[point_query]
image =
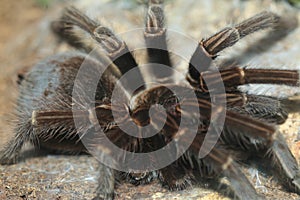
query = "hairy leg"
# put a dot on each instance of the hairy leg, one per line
(155, 37)
(236, 76)
(116, 49)
(208, 48)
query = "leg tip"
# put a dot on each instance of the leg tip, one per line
(296, 184)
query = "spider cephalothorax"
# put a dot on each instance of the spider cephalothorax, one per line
(51, 116)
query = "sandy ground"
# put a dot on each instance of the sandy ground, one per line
(25, 38)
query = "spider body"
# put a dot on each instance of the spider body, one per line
(47, 111)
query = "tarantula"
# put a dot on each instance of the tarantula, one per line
(182, 114)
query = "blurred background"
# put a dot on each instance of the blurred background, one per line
(26, 38)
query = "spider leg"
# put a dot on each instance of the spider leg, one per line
(234, 121)
(175, 176)
(117, 50)
(265, 108)
(93, 141)
(11, 151)
(155, 37)
(106, 183)
(245, 132)
(43, 129)
(236, 76)
(284, 164)
(219, 162)
(65, 32)
(138, 178)
(231, 35)
(240, 127)
(208, 49)
(268, 109)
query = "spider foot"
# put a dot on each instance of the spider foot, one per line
(175, 184)
(175, 177)
(105, 197)
(240, 184)
(7, 158)
(106, 183)
(140, 178)
(296, 183)
(285, 164)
